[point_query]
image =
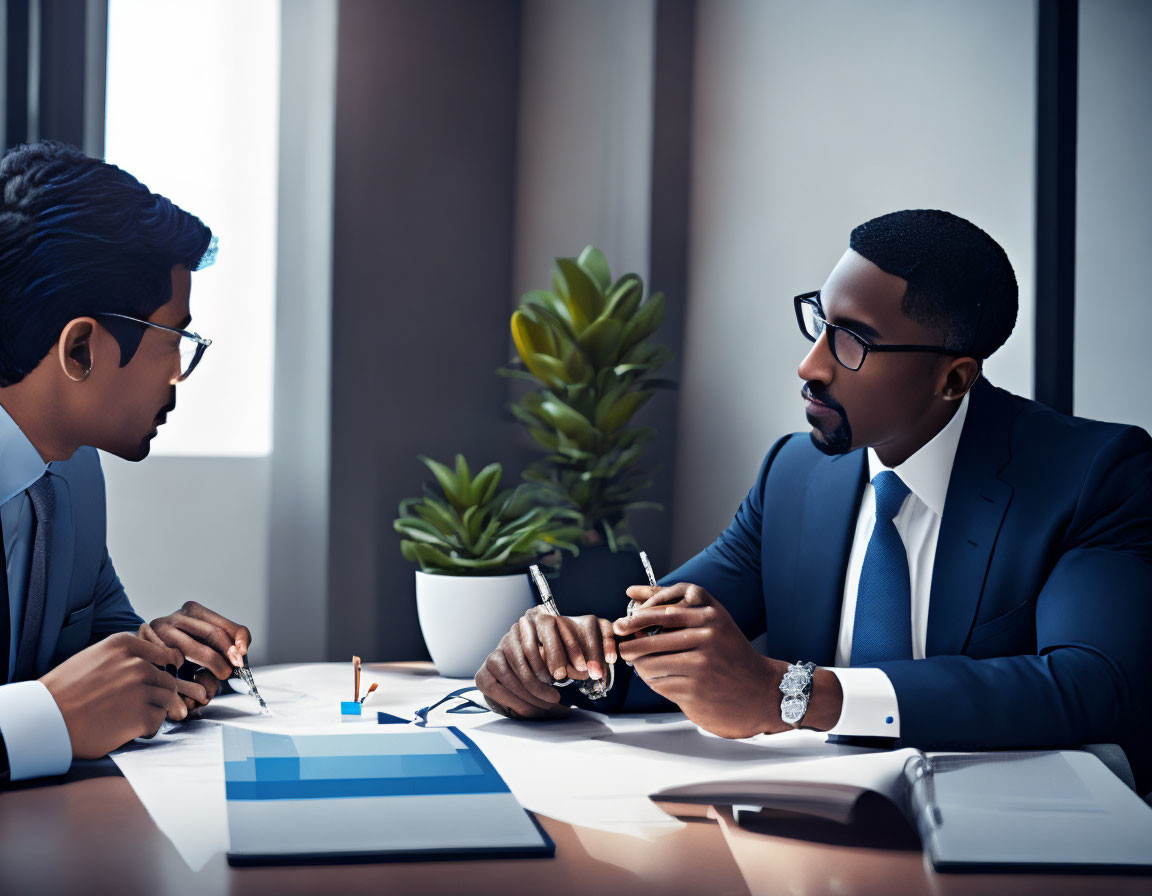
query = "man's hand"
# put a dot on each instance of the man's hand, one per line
(206, 638)
(112, 692)
(518, 677)
(702, 662)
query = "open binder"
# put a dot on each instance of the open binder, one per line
(973, 811)
(369, 796)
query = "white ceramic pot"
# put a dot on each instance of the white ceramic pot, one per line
(463, 618)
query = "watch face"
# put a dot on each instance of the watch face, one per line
(792, 709)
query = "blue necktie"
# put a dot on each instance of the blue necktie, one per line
(883, 625)
(44, 506)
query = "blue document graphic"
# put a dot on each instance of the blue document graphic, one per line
(402, 793)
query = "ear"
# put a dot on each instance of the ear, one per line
(75, 348)
(956, 378)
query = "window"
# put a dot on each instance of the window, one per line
(193, 112)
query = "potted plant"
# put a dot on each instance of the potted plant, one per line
(586, 347)
(473, 542)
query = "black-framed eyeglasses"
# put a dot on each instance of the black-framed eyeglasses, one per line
(848, 348)
(192, 345)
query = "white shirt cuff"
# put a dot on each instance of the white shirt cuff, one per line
(34, 732)
(870, 708)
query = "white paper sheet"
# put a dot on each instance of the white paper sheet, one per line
(590, 770)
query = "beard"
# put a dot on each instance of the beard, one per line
(838, 440)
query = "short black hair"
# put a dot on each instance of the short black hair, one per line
(960, 281)
(79, 236)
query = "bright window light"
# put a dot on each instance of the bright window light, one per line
(193, 112)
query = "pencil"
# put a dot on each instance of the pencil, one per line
(356, 678)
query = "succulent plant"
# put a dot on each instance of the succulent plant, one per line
(585, 346)
(474, 528)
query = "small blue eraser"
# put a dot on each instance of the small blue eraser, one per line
(350, 708)
(889, 720)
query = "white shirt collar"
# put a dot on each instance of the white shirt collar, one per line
(926, 473)
(20, 462)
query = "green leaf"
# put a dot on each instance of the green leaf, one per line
(609, 536)
(487, 483)
(595, 265)
(645, 322)
(549, 370)
(602, 341)
(448, 482)
(579, 293)
(550, 301)
(438, 515)
(624, 298)
(558, 321)
(575, 367)
(568, 421)
(621, 412)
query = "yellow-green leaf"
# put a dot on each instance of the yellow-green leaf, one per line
(583, 297)
(530, 337)
(550, 370)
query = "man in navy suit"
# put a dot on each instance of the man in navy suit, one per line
(95, 277)
(946, 564)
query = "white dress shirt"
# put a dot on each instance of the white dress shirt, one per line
(34, 732)
(870, 708)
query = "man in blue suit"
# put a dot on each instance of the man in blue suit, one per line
(951, 566)
(95, 277)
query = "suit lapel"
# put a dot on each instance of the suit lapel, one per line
(830, 507)
(973, 512)
(60, 560)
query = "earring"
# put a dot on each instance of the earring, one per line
(83, 376)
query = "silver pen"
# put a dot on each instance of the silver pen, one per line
(244, 673)
(594, 690)
(652, 629)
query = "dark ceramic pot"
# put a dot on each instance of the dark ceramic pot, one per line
(595, 582)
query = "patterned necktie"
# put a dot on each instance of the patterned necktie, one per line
(44, 507)
(883, 625)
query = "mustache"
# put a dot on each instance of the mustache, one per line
(818, 392)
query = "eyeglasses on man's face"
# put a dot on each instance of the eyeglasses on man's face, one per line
(192, 345)
(847, 347)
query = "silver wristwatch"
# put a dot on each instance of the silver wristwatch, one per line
(797, 689)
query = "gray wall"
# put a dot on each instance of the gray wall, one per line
(585, 135)
(1114, 213)
(422, 261)
(809, 119)
(192, 528)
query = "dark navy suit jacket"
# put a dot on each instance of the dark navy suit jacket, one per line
(1040, 616)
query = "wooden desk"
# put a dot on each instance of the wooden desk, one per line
(91, 835)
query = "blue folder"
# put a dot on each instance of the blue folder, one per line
(370, 795)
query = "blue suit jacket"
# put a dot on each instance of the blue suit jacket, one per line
(85, 601)
(1040, 620)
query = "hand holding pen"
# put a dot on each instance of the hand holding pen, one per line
(596, 687)
(216, 644)
(541, 652)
